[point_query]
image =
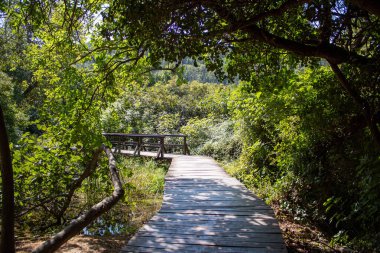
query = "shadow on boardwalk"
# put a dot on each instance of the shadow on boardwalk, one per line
(206, 210)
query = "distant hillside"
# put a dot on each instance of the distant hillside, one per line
(188, 72)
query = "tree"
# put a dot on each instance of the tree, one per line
(49, 37)
(240, 37)
(7, 243)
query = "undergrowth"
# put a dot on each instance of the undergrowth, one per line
(143, 179)
(299, 232)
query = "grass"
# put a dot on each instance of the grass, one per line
(144, 180)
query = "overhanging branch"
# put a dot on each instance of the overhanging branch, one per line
(277, 12)
(326, 51)
(372, 6)
(362, 104)
(329, 52)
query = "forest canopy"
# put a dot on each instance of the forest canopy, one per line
(297, 116)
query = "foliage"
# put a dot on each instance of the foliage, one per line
(165, 107)
(243, 38)
(196, 109)
(64, 81)
(305, 146)
(15, 118)
(213, 137)
(189, 70)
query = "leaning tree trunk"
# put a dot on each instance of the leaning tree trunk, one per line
(362, 103)
(7, 243)
(95, 211)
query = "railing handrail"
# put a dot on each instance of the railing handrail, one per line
(140, 144)
(175, 135)
(135, 135)
(146, 135)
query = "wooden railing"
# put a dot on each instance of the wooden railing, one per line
(141, 142)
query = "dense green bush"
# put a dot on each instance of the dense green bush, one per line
(306, 146)
(213, 137)
(14, 117)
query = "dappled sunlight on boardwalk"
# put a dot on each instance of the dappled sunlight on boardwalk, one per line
(206, 210)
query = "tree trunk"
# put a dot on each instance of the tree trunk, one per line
(363, 105)
(7, 243)
(95, 211)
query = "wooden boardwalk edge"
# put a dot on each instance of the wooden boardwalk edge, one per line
(206, 210)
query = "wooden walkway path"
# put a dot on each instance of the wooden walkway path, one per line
(206, 210)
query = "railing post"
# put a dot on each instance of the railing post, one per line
(119, 143)
(162, 146)
(185, 149)
(139, 144)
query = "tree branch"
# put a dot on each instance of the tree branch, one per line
(40, 203)
(91, 166)
(363, 105)
(372, 6)
(326, 51)
(29, 89)
(277, 12)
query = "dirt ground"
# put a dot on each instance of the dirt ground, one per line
(303, 238)
(80, 244)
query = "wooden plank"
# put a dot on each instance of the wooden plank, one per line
(202, 227)
(205, 189)
(220, 208)
(170, 248)
(218, 180)
(151, 241)
(211, 194)
(259, 237)
(233, 202)
(204, 197)
(184, 216)
(207, 205)
(216, 220)
(226, 214)
(260, 225)
(218, 212)
(205, 186)
(240, 234)
(214, 234)
(219, 225)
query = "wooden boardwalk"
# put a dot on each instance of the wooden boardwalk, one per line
(206, 210)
